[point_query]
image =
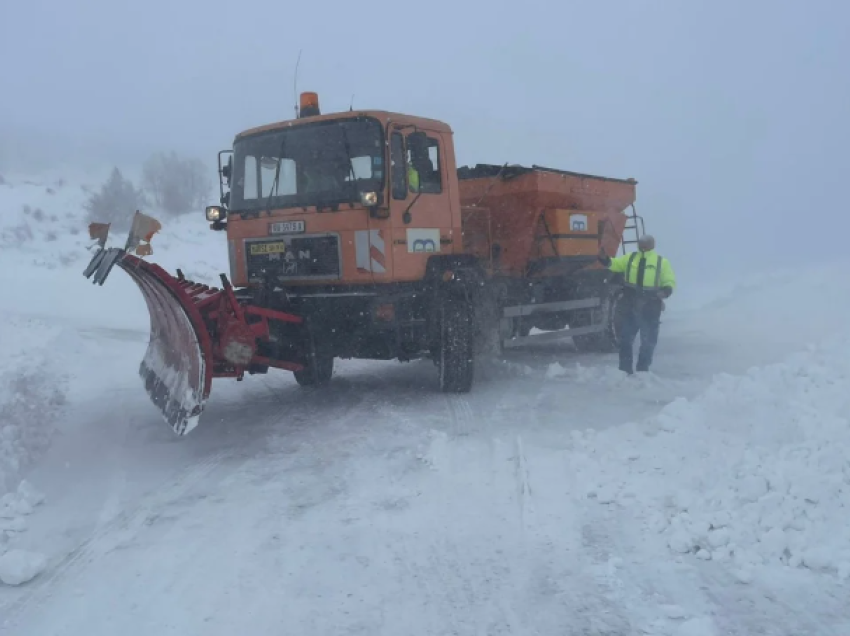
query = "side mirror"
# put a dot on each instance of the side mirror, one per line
(227, 170)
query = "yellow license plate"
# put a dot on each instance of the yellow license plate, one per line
(268, 248)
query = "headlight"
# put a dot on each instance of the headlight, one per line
(369, 198)
(215, 213)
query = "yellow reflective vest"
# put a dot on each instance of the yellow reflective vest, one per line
(413, 178)
(657, 272)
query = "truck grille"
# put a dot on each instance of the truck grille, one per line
(293, 257)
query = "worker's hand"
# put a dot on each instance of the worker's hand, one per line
(665, 292)
(603, 257)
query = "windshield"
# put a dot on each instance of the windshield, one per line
(323, 164)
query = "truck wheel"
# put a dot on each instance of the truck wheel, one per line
(318, 375)
(604, 341)
(455, 355)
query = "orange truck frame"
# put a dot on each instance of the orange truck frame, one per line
(355, 235)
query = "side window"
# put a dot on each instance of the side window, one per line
(426, 176)
(249, 179)
(398, 167)
(435, 183)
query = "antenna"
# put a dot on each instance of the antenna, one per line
(295, 84)
(351, 107)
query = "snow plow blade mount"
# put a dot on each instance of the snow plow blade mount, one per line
(197, 332)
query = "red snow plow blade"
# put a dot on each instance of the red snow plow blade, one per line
(197, 332)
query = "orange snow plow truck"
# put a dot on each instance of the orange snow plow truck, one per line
(355, 235)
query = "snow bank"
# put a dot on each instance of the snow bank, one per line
(753, 472)
(20, 566)
(33, 394)
(34, 381)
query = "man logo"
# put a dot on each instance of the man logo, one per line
(424, 245)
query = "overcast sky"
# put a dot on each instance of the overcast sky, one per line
(733, 116)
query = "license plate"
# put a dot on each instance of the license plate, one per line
(268, 248)
(286, 227)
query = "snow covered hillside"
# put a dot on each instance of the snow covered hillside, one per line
(710, 497)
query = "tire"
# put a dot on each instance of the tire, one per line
(604, 341)
(318, 375)
(455, 359)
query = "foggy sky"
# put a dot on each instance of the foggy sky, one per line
(733, 116)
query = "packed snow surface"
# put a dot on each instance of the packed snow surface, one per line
(707, 497)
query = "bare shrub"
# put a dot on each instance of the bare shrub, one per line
(116, 202)
(36, 213)
(16, 235)
(178, 185)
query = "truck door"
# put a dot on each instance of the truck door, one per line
(419, 200)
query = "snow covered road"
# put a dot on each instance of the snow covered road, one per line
(383, 508)
(557, 498)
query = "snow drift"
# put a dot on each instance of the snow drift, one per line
(753, 472)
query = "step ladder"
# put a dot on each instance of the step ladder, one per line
(634, 223)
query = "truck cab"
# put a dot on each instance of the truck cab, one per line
(340, 200)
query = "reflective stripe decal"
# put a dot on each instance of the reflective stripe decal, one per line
(657, 281)
(370, 251)
(629, 269)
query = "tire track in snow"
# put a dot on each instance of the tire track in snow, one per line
(524, 495)
(462, 416)
(515, 567)
(596, 602)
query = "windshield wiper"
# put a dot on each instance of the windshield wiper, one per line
(348, 153)
(350, 164)
(276, 179)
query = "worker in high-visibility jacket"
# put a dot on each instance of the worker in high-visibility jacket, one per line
(412, 177)
(648, 280)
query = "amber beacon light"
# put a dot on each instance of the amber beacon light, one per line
(309, 106)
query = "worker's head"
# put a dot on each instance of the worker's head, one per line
(646, 243)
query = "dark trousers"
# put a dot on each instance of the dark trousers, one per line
(637, 314)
